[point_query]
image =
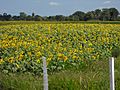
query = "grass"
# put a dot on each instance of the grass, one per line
(94, 77)
(20, 82)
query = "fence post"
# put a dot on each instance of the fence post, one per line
(111, 67)
(45, 76)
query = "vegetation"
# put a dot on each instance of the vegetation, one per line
(93, 77)
(64, 45)
(116, 52)
(57, 22)
(106, 14)
(77, 55)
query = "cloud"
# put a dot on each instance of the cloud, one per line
(54, 4)
(106, 2)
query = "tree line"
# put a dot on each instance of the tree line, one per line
(105, 14)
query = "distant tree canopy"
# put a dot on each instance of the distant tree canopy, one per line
(105, 14)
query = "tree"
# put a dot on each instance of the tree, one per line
(92, 13)
(79, 14)
(105, 15)
(118, 17)
(88, 16)
(67, 18)
(6, 17)
(9, 17)
(23, 16)
(97, 14)
(51, 18)
(16, 18)
(74, 18)
(1, 17)
(113, 13)
(45, 18)
(38, 18)
(33, 14)
(29, 18)
(59, 18)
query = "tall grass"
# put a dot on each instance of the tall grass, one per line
(93, 77)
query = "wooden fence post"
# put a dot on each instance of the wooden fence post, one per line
(45, 76)
(111, 67)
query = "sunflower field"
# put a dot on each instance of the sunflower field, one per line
(63, 45)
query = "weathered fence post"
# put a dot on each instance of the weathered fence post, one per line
(45, 76)
(111, 67)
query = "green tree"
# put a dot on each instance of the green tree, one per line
(79, 14)
(74, 18)
(97, 14)
(51, 18)
(33, 14)
(88, 16)
(105, 15)
(29, 18)
(6, 17)
(92, 13)
(23, 16)
(59, 18)
(118, 18)
(113, 13)
(38, 18)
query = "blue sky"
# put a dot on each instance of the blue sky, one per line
(54, 7)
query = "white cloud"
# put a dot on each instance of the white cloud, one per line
(106, 2)
(54, 4)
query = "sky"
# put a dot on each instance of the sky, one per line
(54, 7)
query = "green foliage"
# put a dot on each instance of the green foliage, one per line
(106, 14)
(116, 52)
(63, 45)
(95, 76)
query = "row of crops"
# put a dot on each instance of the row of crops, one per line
(56, 22)
(64, 45)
